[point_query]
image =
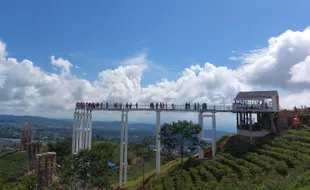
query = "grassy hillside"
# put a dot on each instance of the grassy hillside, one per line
(279, 164)
(12, 163)
(134, 163)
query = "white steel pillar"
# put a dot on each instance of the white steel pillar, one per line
(251, 126)
(157, 142)
(86, 130)
(74, 131)
(200, 122)
(83, 130)
(90, 130)
(126, 147)
(77, 132)
(121, 161)
(213, 134)
(82, 114)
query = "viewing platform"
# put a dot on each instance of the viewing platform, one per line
(256, 102)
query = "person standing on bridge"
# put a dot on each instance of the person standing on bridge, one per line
(137, 105)
(107, 105)
(166, 105)
(156, 105)
(186, 106)
(195, 106)
(127, 105)
(130, 105)
(173, 106)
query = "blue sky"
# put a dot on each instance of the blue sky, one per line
(175, 34)
(98, 36)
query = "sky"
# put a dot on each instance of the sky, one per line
(55, 53)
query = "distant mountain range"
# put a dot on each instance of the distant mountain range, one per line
(33, 119)
(101, 125)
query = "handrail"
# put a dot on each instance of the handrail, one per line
(164, 107)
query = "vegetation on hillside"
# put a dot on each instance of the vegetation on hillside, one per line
(279, 164)
(12, 165)
(173, 136)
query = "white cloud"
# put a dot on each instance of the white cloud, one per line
(3, 53)
(283, 64)
(63, 64)
(301, 71)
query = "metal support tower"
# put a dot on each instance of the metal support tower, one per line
(251, 136)
(126, 148)
(82, 130)
(213, 134)
(200, 122)
(123, 165)
(157, 142)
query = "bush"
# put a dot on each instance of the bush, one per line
(281, 168)
(156, 184)
(167, 183)
(302, 181)
(182, 180)
(205, 175)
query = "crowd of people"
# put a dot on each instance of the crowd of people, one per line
(196, 106)
(245, 105)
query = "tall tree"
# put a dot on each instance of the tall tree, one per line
(82, 168)
(62, 149)
(174, 135)
(100, 155)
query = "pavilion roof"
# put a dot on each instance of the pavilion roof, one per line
(256, 94)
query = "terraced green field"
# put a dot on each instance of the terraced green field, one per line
(12, 163)
(280, 164)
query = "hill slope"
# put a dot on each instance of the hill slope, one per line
(12, 164)
(278, 164)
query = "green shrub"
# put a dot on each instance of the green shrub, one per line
(281, 168)
(167, 183)
(205, 175)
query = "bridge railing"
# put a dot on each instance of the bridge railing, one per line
(253, 107)
(169, 107)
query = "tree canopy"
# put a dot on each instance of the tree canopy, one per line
(173, 135)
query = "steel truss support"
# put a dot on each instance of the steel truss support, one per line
(82, 130)
(200, 123)
(123, 165)
(157, 142)
(201, 155)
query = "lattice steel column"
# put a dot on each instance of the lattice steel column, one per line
(75, 115)
(126, 148)
(81, 118)
(200, 122)
(90, 129)
(121, 161)
(157, 142)
(213, 134)
(251, 126)
(85, 131)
